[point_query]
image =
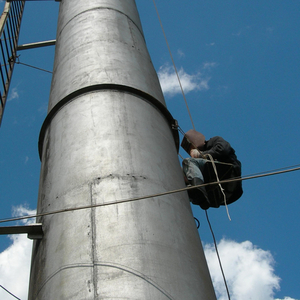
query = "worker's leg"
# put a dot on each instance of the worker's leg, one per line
(192, 168)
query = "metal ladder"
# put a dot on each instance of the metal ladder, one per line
(10, 23)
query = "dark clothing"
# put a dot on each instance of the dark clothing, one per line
(202, 170)
(221, 151)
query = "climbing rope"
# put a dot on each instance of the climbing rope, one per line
(219, 184)
(174, 65)
(219, 259)
(188, 109)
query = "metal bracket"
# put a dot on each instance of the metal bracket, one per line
(34, 231)
(36, 45)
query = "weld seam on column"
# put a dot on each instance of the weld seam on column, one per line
(100, 8)
(100, 87)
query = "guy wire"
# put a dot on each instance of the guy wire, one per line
(296, 168)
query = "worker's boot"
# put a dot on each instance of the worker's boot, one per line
(198, 195)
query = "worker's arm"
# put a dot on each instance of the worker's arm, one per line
(218, 148)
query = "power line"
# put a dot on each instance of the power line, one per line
(271, 173)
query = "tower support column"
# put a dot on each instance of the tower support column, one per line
(108, 137)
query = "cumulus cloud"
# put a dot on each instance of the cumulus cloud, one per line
(249, 271)
(190, 82)
(15, 262)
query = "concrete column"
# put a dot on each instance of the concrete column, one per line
(108, 137)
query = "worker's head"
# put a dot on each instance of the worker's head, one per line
(193, 139)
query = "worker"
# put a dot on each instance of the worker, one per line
(201, 151)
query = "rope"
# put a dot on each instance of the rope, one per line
(219, 184)
(181, 156)
(185, 100)
(17, 61)
(173, 62)
(220, 263)
(150, 196)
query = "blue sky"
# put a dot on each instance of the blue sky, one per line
(239, 64)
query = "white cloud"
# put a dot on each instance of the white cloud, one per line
(15, 263)
(209, 65)
(170, 85)
(248, 270)
(180, 53)
(13, 94)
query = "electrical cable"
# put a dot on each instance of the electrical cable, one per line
(295, 168)
(220, 263)
(9, 292)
